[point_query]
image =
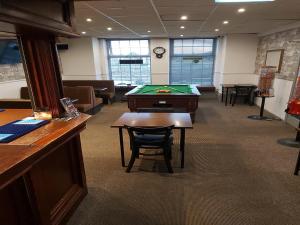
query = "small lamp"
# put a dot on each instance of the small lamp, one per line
(42, 114)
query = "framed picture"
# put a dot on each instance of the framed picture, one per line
(274, 58)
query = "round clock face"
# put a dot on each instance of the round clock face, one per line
(159, 51)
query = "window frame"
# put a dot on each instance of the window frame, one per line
(109, 56)
(171, 55)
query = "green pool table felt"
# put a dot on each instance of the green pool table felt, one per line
(174, 89)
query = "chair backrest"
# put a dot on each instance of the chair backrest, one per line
(243, 90)
(163, 133)
(109, 84)
(84, 94)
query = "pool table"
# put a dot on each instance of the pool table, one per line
(182, 97)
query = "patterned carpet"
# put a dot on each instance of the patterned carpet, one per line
(235, 173)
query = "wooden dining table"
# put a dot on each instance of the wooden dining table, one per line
(180, 121)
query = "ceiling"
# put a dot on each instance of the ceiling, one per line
(133, 18)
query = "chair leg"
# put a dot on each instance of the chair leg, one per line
(230, 100)
(234, 100)
(167, 159)
(131, 162)
(297, 165)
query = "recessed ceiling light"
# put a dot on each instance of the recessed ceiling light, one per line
(241, 10)
(183, 17)
(224, 1)
(88, 20)
(83, 32)
(217, 30)
(181, 35)
(182, 27)
(149, 31)
(225, 22)
(109, 28)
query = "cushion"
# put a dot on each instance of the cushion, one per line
(83, 107)
(150, 139)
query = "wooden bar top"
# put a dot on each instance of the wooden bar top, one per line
(32, 145)
(179, 120)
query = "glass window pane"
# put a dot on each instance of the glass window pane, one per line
(116, 51)
(198, 42)
(197, 68)
(125, 50)
(198, 50)
(207, 50)
(187, 42)
(208, 42)
(135, 74)
(124, 44)
(177, 50)
(134, 43)
(135, 51)
(178, 42)
(144, 43)
(144, 51)
(187, 50)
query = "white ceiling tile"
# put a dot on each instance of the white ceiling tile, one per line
(132, 18)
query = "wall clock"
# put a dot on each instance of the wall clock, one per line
(159, 51)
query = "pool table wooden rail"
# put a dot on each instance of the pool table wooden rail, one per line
(187, 102)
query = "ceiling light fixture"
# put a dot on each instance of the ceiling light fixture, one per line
(109, 28)
(241, 10)
(225, 22)
(83, 32)
(183, 17)
(182, 27)
(217, 30)
(88, 20)
(236, 1)
(149, 31)
(181, 35)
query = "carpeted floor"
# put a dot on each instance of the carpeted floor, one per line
(235, 173)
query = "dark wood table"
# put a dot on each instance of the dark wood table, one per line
(180, 121)
(226, 87)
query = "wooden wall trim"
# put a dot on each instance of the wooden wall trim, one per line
(42, 71)
(13, 12)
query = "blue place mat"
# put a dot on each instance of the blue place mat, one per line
(18, 128)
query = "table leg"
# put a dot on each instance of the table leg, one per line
(222, 99)
(226, 97)
(122, 146)
(182, 145)
(262, 107)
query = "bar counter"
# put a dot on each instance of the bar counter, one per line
(42, 177)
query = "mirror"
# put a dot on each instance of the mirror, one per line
(274, 58)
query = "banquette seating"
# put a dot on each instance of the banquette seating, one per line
(104, 89)
(84, 96)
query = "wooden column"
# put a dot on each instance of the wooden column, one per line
(42, 70)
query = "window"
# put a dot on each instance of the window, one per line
(192, 61)
(129, 61)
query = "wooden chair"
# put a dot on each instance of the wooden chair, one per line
(240, 91)
(150, 138)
